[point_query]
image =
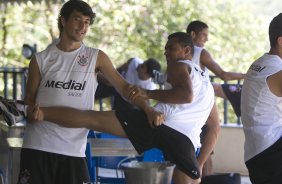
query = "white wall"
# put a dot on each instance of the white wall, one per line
(229, 151)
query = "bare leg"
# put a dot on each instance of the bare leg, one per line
(102, 121)
(218, 91)
(180, 177)
(209, 141)
(208, 167)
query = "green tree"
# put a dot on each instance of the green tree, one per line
(128, 28)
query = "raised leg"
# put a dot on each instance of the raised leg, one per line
(102, 121)
(218, 91)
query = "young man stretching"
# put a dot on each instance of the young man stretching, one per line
(186, 104)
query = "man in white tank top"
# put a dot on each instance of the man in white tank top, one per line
(232, 92)
(173, 125)
(199, 33)
(262, 111)
(64, 74)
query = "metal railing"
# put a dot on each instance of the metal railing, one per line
(13, 82)
(13, 85)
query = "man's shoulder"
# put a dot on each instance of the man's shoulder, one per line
(90, 48)
(47, 50)
(204, 51)
(205, 55)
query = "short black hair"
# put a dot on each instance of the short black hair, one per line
(152, 64)
(196, 26)
(275, 30)
(183, 39)
(77, 5)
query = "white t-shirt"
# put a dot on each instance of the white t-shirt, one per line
(68, 79)
(189, 118)
(261, 109)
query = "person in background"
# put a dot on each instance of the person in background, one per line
(198, 30)
(232, 92)
(261, 104)
(136, 72)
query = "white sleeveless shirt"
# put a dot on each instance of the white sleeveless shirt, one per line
(261, 109)
(189, 118)
(197, 58)
(68, 79)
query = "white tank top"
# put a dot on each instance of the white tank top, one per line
(261, 109)
(189, 118)
(68, 79)
(197, 58)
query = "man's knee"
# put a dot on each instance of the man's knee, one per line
(218, 91)
(180, 177)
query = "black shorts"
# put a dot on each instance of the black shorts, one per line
(176, 147)
(233, 94)
(45, 168)
(266, 167)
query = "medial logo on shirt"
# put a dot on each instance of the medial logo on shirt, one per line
(257, 68)
(73, 88)
(82, 60)
(72, 84)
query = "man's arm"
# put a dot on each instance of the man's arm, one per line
(178, 75)
(105, 66)
(33, 82)
(206, 60)
(274, 83)
(210, 137)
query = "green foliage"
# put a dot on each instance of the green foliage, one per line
(124, 29)
(137, 28)
(128, 28)
(24, 23)
(140, 28)
(236, 36)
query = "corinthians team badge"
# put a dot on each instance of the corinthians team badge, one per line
(82, 60)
